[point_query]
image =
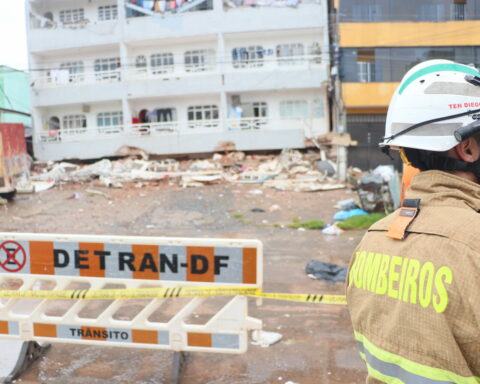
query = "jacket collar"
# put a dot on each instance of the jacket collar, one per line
(438, 188)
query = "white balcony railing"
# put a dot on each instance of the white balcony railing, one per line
(170, 128)
(61, 78)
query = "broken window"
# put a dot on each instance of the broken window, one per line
(246, 57)
(72, 15)
(107, 12)
(74, 123)
(199, 60)
(288, 54)
(161, 63)
(107, 69)
(294, 109)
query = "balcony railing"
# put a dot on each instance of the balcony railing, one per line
(61, 78)
(170, 128)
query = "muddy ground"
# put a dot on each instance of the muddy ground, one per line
(317, 345)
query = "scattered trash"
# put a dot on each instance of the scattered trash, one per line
(40, 186)
(75, 196)
(343, 215)
(326, 167)
(332, 229)
(255, 192)
(379, 190)
(346, 205)
(265, 339)
(257, 210)
(291, 382)
(3, 201)
(320, 270)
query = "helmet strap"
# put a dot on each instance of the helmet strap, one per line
(426, 160)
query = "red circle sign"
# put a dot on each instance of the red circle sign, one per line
(12, 256)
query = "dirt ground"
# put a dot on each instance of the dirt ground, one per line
(317, 344)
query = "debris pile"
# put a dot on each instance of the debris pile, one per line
(291, 170)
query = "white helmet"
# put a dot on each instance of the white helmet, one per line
(435, 107)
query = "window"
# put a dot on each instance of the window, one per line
(110, 122)
(432, 12)
(458, 10)
(107, 69)
(107, 119)
(107, 12)
(294, 109)
(54, 123)
(199, 60)
(318, 109)
(72, 15)
(75, 123)
(315, 51)
(203, 112)
(366, 65)
(288, 54)
(254, 109)
(141, 64)
(75, 70)
(161, 63)
(367, 12)
(244, 57)
(366, 71)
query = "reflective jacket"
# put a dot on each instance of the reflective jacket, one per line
(415, 303)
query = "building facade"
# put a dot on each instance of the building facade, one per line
(15, 97)
(380, 40)
(173, 77)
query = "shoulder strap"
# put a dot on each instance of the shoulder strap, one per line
(406, 215)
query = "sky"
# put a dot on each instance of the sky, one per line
(13, 37)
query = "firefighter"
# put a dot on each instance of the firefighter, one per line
(413, 287)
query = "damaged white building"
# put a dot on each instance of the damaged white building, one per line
(176, 76)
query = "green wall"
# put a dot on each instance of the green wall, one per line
(14, 94)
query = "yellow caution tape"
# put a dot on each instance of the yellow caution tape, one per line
(166, 293)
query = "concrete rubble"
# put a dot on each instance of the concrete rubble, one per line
(291, 170)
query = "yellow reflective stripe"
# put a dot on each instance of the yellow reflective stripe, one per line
(430, 374)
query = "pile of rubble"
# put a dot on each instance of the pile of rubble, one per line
(290, 170)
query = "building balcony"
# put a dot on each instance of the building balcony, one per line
(85, 87)
(293, 72)
(81, 34)
(174, 137)
(211, 22)
(172, 80)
